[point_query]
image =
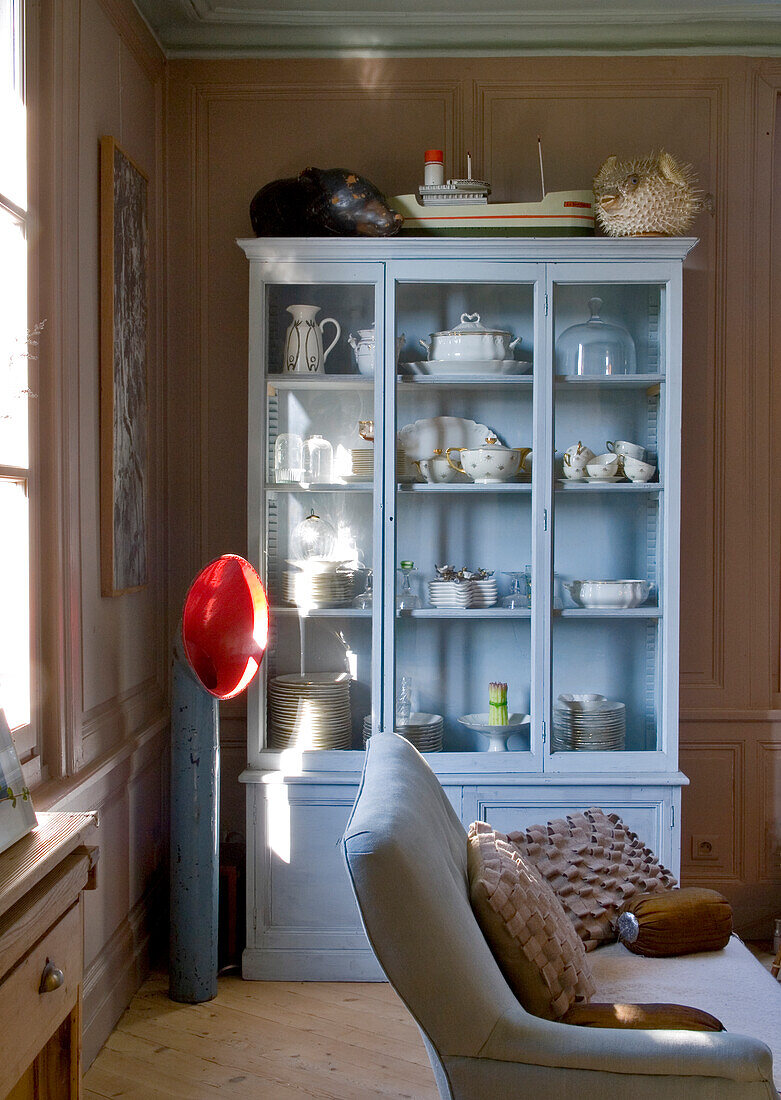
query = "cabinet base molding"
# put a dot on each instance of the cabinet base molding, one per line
(300, 965)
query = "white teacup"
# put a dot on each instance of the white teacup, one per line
(636, 470)
(625, 448)
(575, 460)
(603, 466)
(437, 470)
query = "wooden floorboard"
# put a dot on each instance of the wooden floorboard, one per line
(265, 1041)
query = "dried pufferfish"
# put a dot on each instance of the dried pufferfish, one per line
(652, 196)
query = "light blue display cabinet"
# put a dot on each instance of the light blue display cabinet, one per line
(550, 372)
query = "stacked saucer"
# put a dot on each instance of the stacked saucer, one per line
(450, 593)
(465, 594)
(310, 711)
(424, 731)
(588, 724)
(484, 592)
(317, 589)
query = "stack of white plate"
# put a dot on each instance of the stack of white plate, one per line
(424, 731)
(317, 589)
(464, 594)
(484, 593)
(363, 464)
(310, 711)
(450, 593)
(600, 727)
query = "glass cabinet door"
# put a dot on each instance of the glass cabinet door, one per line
(616, 430)
(311, 429)
(461, 485)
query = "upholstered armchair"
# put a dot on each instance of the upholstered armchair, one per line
(406, 854)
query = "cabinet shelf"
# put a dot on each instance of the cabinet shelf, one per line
(465, 613)
(463, 487)
(513, 381)
(608, 613)
(612, 381)
(336, 487)
(610, 487)
(320, 381)
(323, 613)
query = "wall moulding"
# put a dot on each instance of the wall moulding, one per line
(728, 716)
(98, 784)
(769, 770)
(202, 28)
(137, 36)
(119, 969)
(712, 805)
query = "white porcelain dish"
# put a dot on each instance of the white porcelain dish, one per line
(424, 437)
(467, 368)
(498, 736)
(583, 701)
(315, 565)
(609, 594)
(470, 340)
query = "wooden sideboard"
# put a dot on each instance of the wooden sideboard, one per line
(42, 878)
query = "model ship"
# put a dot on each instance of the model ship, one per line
(460, 208)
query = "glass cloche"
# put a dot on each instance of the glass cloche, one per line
(312, 540)
(595, 347)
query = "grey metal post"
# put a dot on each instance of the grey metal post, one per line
(195, 814)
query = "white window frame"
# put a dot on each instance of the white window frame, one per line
(27, 737)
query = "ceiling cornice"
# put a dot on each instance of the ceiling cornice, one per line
(333, 28)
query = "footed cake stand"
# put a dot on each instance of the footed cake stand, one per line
(498, 736)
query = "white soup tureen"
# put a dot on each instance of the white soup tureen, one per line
(490, 462)
(470, 340)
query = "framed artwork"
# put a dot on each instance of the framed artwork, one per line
(17, 816)
(123, 371)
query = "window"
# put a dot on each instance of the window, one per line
(15, 354)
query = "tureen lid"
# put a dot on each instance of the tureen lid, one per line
(470, 323)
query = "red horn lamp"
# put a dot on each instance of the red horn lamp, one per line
(223, 638)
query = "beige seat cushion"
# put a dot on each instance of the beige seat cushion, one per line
(530, 935)
(595, 865)
(729, 983)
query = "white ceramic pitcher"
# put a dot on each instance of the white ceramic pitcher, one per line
(304, 341)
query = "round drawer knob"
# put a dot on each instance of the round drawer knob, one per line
(51, 979)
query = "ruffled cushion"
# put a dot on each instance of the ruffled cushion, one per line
(596, 865)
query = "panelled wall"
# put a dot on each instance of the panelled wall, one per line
(234, 125)
(104, 721)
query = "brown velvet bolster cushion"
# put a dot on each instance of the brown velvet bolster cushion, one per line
(651, 1017)
(675, 922)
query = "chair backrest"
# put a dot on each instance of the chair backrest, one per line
(406, 853)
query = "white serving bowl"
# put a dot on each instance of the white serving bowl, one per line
(609, 594)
